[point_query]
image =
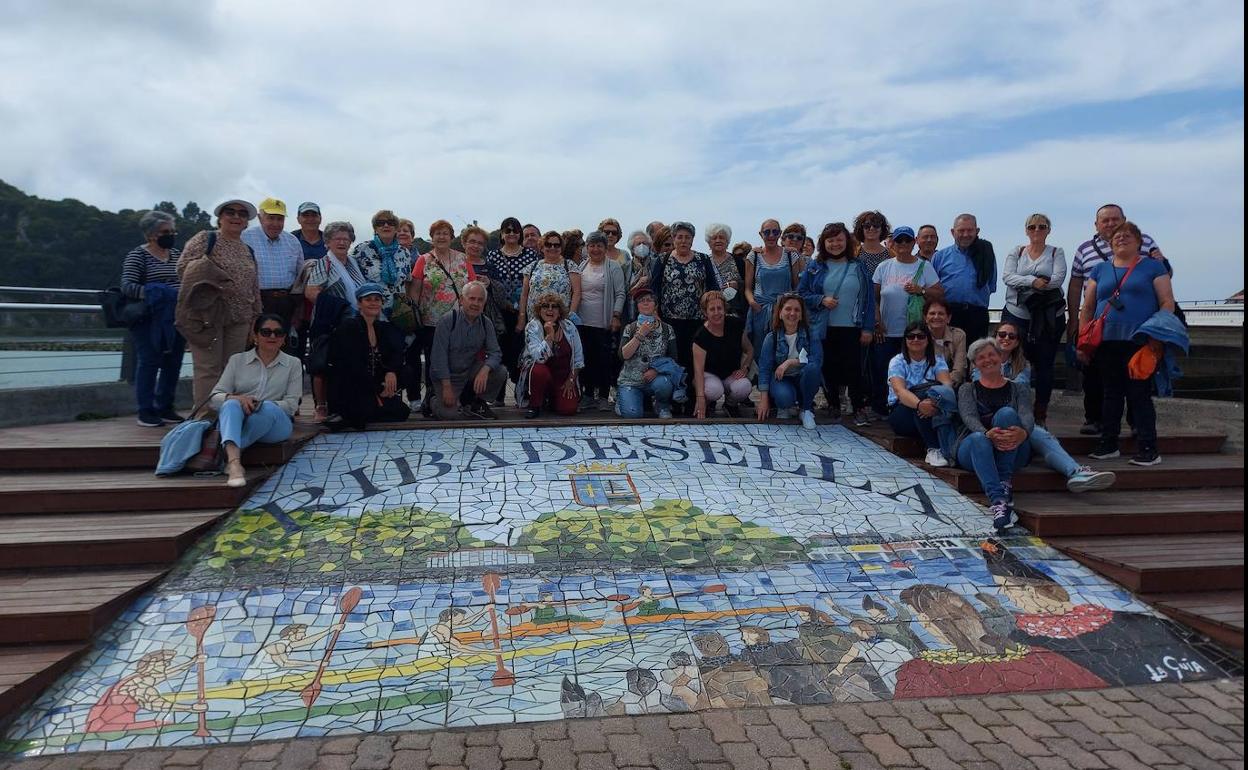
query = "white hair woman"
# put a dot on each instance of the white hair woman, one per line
(731, 269)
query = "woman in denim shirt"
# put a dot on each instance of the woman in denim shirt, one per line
(836, 288)
(789, 364)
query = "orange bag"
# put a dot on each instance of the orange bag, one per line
(1144, 363)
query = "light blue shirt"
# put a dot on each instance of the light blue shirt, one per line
(278, 261)
(845, 314)
(957, 275)
(912, 372)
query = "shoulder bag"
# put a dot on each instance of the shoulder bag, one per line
(1091, 334)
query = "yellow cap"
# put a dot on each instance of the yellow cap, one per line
(272, 206)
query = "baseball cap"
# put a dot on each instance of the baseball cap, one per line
(307, 206)
(273, 206)
(903, 230)
(369, 289)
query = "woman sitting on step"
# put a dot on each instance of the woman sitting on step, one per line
(999, 435)
(257, 395)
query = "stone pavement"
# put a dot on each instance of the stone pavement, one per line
(1152, 727)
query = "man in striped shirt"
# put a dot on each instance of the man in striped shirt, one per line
(1091, 253)
(278, 258)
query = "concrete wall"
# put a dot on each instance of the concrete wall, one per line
(35, 406)
(1186, 414)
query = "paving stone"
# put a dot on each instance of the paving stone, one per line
(418, 740)
(147, 760)
(1051, 763)
(815, 752)
(1123, 760)
(106, 761)
(298, 755)
(410, 759)
(970, 730)
(886, 750)
(558, 755)
(684, 721)
(1158, 698)
(744, 756)
(227, 758)
(262, 765)
(1142, 730)
(1029, 724)
(952, 743)
(1094, 700)
(586, 736)
(1039, 707)
(936, 705)
(786, 763)
(1085, 736)
(858, 722)
(1210, 747)
(1006, 757)
(934, 759)
(724, 725)
(345, 745)
(1076, 755)
(264, 752)
(596, 761)
(754, 716)
(699, 744)
(1020, 742)
(1141, 750)
(982, 714)
(916, 713)
(838, 737)
(628, 749)
(447, 749)
(791, 723)
(1088, 717)
(374, 753)
(517, 744)
(1202, 723)
(903, 732)
(860, 761)
(482, 737)
(880, 708)
(1190, 757)
(769, 741)
(334, 762)
(522, 764)
(181, 758)
(1150, 713)
(483, 758)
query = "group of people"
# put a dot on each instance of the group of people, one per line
(877, 311)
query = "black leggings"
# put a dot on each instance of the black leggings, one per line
(842, 365)
(598, 373)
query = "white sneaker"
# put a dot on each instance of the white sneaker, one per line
(936, 459)
(665, 414)
(808, 419)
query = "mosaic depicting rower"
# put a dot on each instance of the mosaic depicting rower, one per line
(292, 638)
(439, 640)
(119, 706)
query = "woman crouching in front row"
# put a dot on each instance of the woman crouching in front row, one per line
(257, 395)
(789, 364)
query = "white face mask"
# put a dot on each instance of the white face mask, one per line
(730, 293)
(641, 251)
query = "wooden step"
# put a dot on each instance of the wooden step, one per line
(120, 491)
(117, 443)
(100, 539)
(1174, 472)
(69, 606)
(27, 670)
(1216, 614)
(1054, 514)
(1172, 443)
(1163, 563)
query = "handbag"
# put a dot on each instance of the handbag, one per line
(318, 355)
(1092, 333)
(120, 311)
(914, 303)
(404, 316)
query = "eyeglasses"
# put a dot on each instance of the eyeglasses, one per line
(1037, 226)
(270, 332)
(233, 212)
(1007, 336)
(916, 336)
(552, 245)
(793, 236)
(770, 232)
(549, 306)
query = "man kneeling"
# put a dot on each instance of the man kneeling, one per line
(467, 364)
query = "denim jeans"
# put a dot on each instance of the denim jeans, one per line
(798, 389)
(1045, 445)
(156, 372)
(268, 424)
(935, 431)
(976, 453)
(629, 398)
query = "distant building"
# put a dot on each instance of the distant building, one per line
(477, 557)
(1236, 298)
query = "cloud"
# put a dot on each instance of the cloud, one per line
(563, 112)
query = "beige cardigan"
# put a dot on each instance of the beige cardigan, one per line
(953, 349)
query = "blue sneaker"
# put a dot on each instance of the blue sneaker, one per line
(1003, 516)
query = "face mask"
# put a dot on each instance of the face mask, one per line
(641, 251)
(165, 241)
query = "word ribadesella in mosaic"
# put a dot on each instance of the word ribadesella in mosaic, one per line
(409, 579)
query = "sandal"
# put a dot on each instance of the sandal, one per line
(321, 413)
(236, 476)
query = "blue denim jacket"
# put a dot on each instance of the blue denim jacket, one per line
(1165, 327)
(776, 349)
(810, 287)
(675, 372)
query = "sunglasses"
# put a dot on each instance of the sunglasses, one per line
(770, 232)
(793, 237)
(269, 332)
(552, 245)
(233, 212)
(548, 306)
(872, 225)
(1007, 336)
(386, 223)
(916, 336)
(509, 230)
(1034, 227)
(903, 239)
(610, 232)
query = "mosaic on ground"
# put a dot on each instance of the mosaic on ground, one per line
(421, 579)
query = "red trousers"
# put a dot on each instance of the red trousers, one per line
(546, 384)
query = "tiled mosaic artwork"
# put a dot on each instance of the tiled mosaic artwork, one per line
(400, 580)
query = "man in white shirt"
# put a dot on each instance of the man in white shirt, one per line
(278, 258)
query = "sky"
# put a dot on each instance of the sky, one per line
(564, 113)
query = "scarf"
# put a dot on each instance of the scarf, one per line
(389, 272)
(350, 282)
(984, 259)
